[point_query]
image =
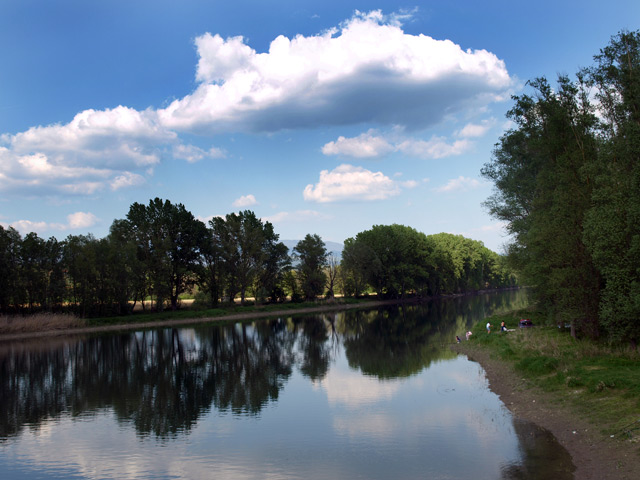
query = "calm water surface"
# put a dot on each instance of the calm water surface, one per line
(371, 395)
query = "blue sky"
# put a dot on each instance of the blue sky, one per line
(322, 117)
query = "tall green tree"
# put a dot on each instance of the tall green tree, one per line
(311, 255)
(80, 261)
(394, 259)
(362, 266)
(128, 272)
(249, 255)
(546, 154)
(168, 238)
(10, 241)
(210, 273)
(41, 272)
(612, 225)
(275, 263)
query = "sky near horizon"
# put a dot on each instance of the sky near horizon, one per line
(321, 117)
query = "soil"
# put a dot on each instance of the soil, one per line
(595, 455)
(8, 337)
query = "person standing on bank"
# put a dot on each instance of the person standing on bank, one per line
(488, 327)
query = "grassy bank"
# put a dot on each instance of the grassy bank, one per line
(19, 324)
(222, 311)
(598, 382)
(38, 322)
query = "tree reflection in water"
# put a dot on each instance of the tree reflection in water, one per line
(163, 381)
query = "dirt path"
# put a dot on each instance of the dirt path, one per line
(595, 455)
(8, 337)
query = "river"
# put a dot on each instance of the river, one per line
(373, 394)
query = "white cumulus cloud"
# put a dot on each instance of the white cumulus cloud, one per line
(245, 201)
(81, 220)
(434, 148)
(127, 179)
(193, 154)
(97, 149)
(348, 182)
(366, 145)
(367, 70)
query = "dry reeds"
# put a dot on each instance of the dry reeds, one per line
(38, 322)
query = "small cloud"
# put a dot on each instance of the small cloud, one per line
(409, 184)
(459, 184)
(297, 216)
(75, 221)
(347, 182)
(366, 145)
(245, 201)
(474, 130)
(27, 226)
(127, 179)
(207, 219)
(193, 154)
(81, 220)
(435, 148)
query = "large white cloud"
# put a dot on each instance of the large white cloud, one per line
(113, 148)
(96, 150)
(368, 70)
(348, 182)
(109, 138)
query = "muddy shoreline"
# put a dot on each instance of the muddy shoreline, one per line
(595, 455)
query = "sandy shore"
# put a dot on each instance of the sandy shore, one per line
(595, 455)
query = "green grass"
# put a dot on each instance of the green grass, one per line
(194, 313)
(599, 381)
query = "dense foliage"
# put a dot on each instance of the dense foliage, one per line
(567, 179)
(161, 251)
(395, 260)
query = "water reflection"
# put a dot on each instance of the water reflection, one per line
(161, 381)
(543, 456)
(360, 387)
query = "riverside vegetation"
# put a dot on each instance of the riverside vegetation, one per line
(582, 377)
(161, 252)
(567, 186)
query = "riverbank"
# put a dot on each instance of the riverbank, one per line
(231, 315)
(601, 448)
